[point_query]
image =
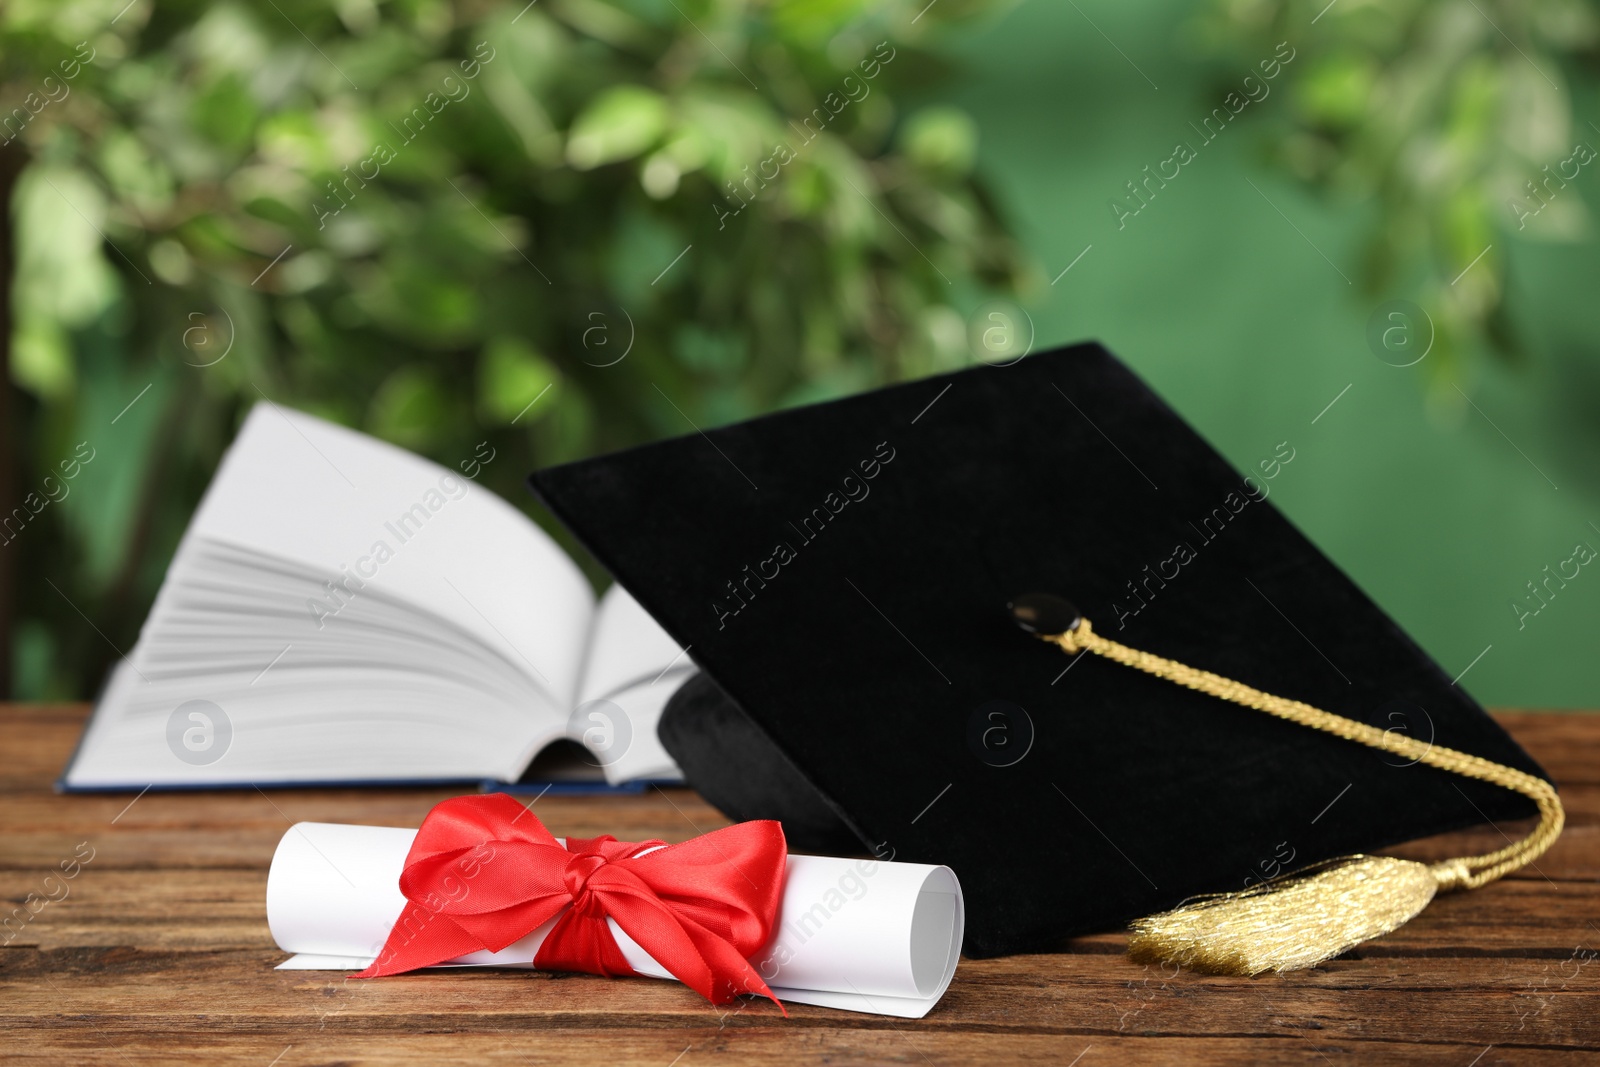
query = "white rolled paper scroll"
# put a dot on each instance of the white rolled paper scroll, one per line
(862, 935)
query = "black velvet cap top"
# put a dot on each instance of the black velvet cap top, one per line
(841, 572)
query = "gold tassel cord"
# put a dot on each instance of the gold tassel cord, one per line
(1311, 916)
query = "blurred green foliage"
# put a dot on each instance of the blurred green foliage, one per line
(1453, 120)
(570, 225)
(443, 223)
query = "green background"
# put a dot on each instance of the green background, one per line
(1228, 312)
(148, 209)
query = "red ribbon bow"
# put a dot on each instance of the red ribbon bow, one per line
(484, 872)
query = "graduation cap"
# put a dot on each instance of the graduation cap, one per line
(1025, 622)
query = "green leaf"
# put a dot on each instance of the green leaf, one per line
(41, 358)
(941, 139)
(225, 114)
(816, 21)
(133, 171)
(515, 383)
(1335, 91)
(61, 270)
(410, 409)
(622, 123)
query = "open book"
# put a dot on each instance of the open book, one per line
(341, 610)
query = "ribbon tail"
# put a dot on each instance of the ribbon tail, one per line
(695, 956)
(727, 964)
(420, 938)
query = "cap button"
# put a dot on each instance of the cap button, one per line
(1044, 614)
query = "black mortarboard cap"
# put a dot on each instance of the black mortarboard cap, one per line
(842, 571)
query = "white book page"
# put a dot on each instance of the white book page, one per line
(626, 647)
(633, 667)
(370, 516)
(383, 693)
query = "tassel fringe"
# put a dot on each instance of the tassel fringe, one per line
(1290, 924)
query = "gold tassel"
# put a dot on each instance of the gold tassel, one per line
(1313, 915)
(1298, 921)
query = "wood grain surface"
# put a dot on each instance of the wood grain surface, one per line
(157, 951)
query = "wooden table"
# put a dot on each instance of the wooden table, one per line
(159, 952)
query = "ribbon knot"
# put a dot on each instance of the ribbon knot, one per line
(484, 872)
(579, 869)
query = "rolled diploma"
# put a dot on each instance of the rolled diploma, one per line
(862, 935)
